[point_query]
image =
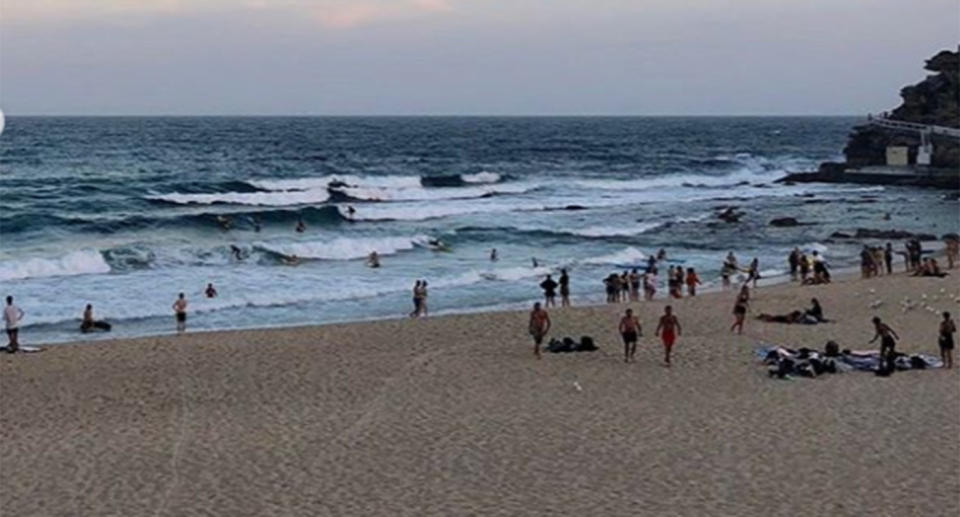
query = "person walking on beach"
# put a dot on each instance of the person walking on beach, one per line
(728, 269)
(416, 300)
(947, 329)
(668, 329)
(740, 310)
(888, 343)
(753, 272)
(630, 330)
(539, 326)
(180, 310)
(549, 287)
(564, 288)
(692, 281)
(12, 316)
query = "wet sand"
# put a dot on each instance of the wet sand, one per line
(453, 416)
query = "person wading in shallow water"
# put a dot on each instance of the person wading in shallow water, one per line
(539, 326)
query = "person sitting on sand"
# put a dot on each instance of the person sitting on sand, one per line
(549, 287)
(373, 260)
(668, 329)
(888, 343)
(947, 329)
(692, 281)
(629, 329)
(564, 288)
(89, 324)
(211, 291)
(792, 317)
(816, 311)
(740, 310)
(539, 326)
(180, 310)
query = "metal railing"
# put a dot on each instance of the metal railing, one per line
(913, 126)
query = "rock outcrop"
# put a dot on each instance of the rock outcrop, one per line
(933, 101)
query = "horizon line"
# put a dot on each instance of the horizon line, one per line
(421, 115)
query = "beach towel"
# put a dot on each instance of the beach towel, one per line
(806, 362)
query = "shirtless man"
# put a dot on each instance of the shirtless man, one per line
(668, 329)
(630, 330)
(301, 226)
(493, 255)
(946, 331)
(211, 291)
(180, 309)
(373, 260)
(888, 342)
(539, 326)
(693, 280)
(634, 279)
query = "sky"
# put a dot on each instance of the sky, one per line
(466, 57)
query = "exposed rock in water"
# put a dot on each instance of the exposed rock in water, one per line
(787, 221)
(868, 233)
(730, 215)
(840, 235)
(574, 207)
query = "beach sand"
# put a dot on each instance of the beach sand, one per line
(453, 416)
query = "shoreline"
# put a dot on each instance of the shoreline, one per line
(583, 301)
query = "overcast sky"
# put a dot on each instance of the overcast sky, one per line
(484, 57)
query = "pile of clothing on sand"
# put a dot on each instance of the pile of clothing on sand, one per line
(567, 344)
(807, 362)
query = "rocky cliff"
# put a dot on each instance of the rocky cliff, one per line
(935, 101)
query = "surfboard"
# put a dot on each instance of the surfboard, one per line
(24, 349)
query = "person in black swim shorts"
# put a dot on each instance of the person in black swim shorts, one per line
(630, 330)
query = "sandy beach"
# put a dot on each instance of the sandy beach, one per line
(453, 416)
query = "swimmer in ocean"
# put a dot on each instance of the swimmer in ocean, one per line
(301, 226)
(373, 260)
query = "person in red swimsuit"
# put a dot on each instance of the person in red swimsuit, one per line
(670, 327)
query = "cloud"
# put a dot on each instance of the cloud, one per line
(338, 14)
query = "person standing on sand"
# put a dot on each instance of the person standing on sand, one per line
(423, 298)
(692, 281)
(549, 287)
(634, 279)
(539, 326)
(630, 330)
(947, 329)
(416, 300)
(649, 286)
(888, 343)
(564, 288)
(753, 272)
(180, 310)
(668, 329)
(888, 258)
(740, 310)
(12, 316)
(794, 260)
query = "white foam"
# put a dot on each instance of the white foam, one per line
(481, 177)
(282, 198)
(82, 262)
(344, 248)
(426, 194)
(322, 182)
(629, 255)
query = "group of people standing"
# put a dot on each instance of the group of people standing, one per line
(808, 269)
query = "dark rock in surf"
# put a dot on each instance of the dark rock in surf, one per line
(785, 222)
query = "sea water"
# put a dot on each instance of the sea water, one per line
(125, 213)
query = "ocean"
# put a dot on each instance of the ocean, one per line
(126, 212)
